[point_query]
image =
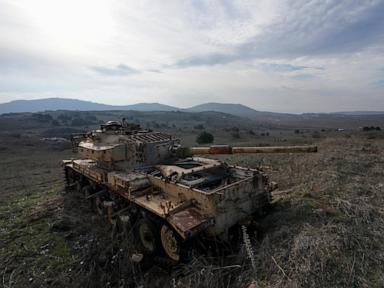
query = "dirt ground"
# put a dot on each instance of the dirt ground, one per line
(325, 229)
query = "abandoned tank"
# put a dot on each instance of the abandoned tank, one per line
(147, 180)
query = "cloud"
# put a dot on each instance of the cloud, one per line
(274, 67)
(304, 77)
(154, 71)
(308, 28)
(119, 70)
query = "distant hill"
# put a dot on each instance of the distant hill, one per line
(235, 109)
(54, 104)
(39, 105)
(147, 107)
(356, 113)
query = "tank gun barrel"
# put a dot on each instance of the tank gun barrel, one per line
(226, 149)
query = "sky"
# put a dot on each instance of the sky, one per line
(284, 56)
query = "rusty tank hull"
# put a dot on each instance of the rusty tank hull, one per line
(135, 177)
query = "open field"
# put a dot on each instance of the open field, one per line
(325, 229)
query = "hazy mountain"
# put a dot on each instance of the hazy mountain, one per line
(74, 104)
(359, 113)
(235, 109)
(147, 107)
(39, 105)
(53, 104)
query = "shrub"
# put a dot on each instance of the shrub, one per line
(199, 127)
(235, 135)
(371, 128)
(204, 138)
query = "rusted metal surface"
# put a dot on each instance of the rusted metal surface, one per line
(188, 222)
(226, 149)
(275, 149)
(89, 169)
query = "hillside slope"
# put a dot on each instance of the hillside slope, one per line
(53, 104)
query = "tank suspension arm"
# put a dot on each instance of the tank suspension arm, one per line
(226, 149)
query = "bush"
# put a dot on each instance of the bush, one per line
(204, 138)
(199, 127)
(372, 128)
(235, 135)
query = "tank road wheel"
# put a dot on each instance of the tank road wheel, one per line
(170, 242)
(146, 234)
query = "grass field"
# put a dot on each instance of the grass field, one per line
(325, 229)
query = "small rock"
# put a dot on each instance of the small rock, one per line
(137, 257)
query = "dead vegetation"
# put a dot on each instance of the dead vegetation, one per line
(326, 228)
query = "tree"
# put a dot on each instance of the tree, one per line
(204, 138)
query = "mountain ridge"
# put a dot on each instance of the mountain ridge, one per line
(53, 104)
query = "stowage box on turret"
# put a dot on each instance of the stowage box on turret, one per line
(138, 175)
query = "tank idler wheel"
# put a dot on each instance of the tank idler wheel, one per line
(170, 242)
(146, 234)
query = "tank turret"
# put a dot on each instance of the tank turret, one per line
(164, 192)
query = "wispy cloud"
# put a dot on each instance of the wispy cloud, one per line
(274, 67)
(119, 70)
(303, 77)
